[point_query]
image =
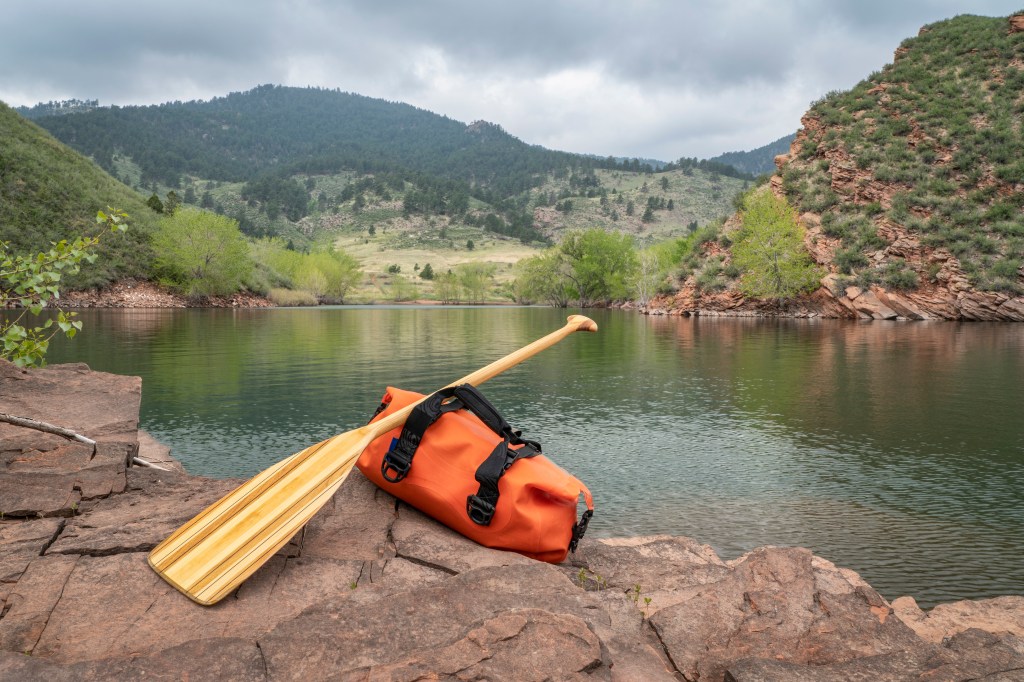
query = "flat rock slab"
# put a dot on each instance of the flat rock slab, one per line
(972, 655)
(23, 541)
(1000, 614)
(98, 405)
(154, 505)
(47, 475)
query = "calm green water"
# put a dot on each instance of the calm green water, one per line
(894, 449)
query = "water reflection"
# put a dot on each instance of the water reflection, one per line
(894, 449)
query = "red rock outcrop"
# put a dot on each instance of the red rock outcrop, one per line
(133, 293)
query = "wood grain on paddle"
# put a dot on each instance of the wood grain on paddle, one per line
(211, 555)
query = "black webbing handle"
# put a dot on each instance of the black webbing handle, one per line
(481, 506)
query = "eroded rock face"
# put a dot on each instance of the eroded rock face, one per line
(372, 589)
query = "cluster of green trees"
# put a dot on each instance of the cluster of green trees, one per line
(595, 267)
(201, 253)
(326, 274)
(58, 108)
(278, 195)
(588, 267)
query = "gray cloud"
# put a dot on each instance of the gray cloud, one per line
(651, 78)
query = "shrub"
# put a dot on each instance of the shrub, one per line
(848, 259)
(292, 297)
(708, 279)
(1007, 268)
(33, 283)
(897, 275)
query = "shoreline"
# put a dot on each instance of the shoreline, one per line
(873, 304)
(135, 293)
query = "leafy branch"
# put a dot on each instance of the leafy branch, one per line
(32, 283)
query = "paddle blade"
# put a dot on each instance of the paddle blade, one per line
(212, 554)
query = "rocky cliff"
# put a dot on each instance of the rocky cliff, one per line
(910, 188)
(372, 589)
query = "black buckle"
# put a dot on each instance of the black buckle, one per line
(578, 529)
(397, 462)
(480, 511)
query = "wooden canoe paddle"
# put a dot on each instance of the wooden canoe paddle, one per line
(212, 554)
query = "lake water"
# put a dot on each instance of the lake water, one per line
(894, 449)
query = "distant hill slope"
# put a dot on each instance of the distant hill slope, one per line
(301, 162)
(911, 185)
(757, 161)
(49, 192)
(274, 128)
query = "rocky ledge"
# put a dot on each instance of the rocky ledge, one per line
(135, 293)
(372, 589)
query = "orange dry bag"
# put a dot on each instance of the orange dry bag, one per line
(457, 460)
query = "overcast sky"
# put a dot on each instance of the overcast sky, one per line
(649, 78)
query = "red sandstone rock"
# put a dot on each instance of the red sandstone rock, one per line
(134, 293)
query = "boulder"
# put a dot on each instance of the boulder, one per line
(778, 604)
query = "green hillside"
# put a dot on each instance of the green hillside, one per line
(394, 186)
(931, 145)
(273, 129)
(280, 159)
(49, 192)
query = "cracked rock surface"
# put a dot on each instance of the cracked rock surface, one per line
(372, 589)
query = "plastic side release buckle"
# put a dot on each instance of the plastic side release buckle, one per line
(396, 463)
(578, 529)
(480, 511)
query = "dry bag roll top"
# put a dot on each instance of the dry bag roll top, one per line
(458, 460)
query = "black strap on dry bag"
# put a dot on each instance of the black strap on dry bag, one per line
(479, 507)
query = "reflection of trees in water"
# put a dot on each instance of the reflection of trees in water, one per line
(910, 385)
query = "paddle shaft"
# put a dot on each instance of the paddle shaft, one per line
(211, 555)
(573, 324)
